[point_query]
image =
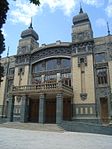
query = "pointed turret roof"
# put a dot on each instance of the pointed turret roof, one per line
(81, 10)
(81, 17)
(30, 32)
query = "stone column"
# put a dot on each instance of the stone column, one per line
(59, 108)
(10, 109)
(42, 78)
(42, 108)
(24, 109)
(58, 77)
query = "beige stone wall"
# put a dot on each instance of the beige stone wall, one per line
(102, 40)
(23, 42)
(2, 86)
(110, 73)
(80, 29)
(24, 80)
(76, 77)
(89, 81)
(6, 62)
(2, 90)
(16, 77)
(28, 42)
(24, 77)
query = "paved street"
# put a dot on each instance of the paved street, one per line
(27, 139)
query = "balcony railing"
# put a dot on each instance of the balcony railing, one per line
(42, 87)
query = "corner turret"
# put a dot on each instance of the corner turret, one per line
(81, 29)
(28, 41)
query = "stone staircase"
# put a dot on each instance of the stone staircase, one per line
(75, 126)
(33, 126)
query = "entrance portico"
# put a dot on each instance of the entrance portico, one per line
(42, 103)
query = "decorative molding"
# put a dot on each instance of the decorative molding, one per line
(83, 96)
(82, 36)
(80, 58)
(23, 50)
(64, 51)
(101, 65)
(22, 59)
(110, 54)
(21, 70)
(103, 91)
(83, 47)
(18, 99)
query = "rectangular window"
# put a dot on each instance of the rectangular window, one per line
(10, 83)
(65, 63)
(11, 71)
(100, 57)
(102, 77)
(51, 64)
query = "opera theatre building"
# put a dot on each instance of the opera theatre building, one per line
(62, 81)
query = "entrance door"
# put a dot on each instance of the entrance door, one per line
(33, 110)
(104, 109)
(67, 109)
(50, 113)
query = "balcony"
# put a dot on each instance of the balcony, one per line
(46, 88)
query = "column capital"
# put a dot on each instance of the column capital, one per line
(59, 95)
(10, 97)
(23, 97)
(42, 95)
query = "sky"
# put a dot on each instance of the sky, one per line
(52, 20)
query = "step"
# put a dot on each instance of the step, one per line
(33, 126)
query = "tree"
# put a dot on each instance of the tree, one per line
(4, 7)
(1, 72)
(36, 2)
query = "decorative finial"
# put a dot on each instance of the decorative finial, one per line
(31, 24)
(81, 10)
(108, 28)
(8, 52)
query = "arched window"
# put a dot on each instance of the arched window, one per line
(52, 64)
(65, 63)
(102, 76)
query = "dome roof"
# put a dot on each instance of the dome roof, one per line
(29, 32)
(81, 17)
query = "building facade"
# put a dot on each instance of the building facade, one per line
(59, 81)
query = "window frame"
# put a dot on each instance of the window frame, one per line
(103, 60)
(102, 80)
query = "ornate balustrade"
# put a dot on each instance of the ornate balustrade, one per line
(53, 87)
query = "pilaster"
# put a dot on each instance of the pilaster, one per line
(42, 108)
(24, 109)
(10, 108)
(59, 108)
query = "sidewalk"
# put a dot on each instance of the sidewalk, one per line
(27, 139)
